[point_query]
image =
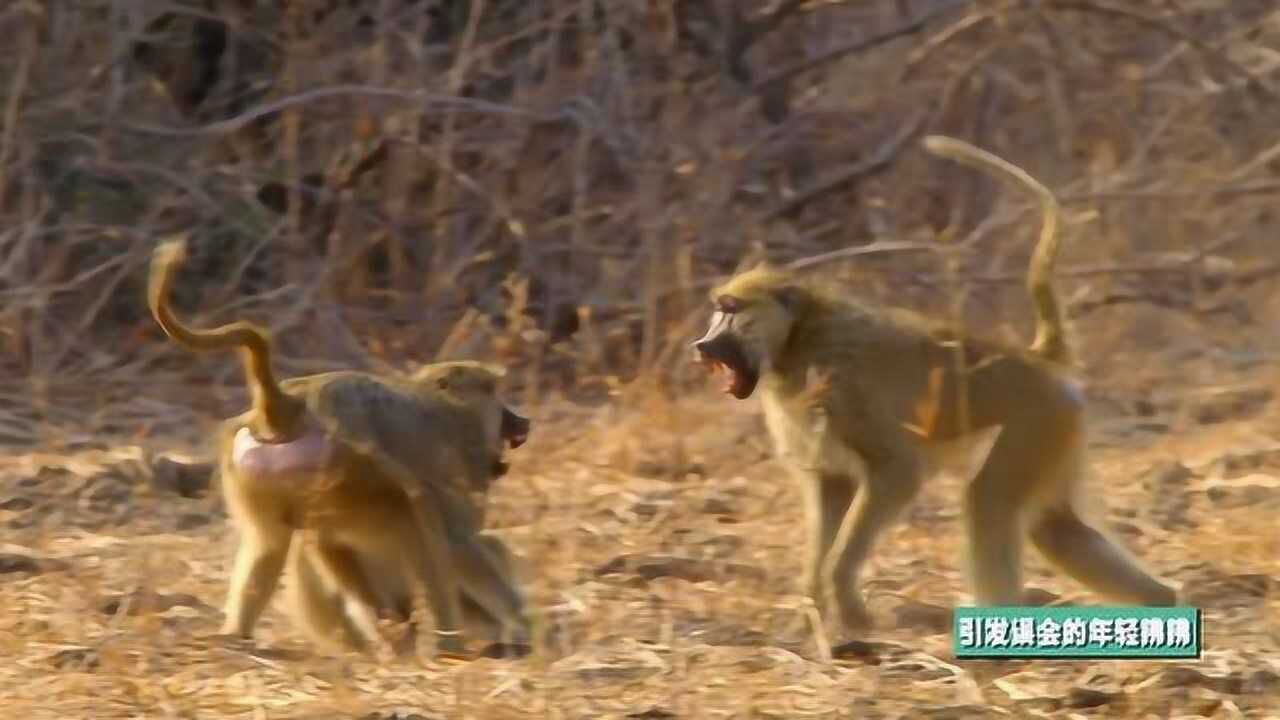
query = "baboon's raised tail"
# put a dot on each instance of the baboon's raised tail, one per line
(1050, 340)
(277, 412)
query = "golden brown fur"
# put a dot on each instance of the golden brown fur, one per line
(275, 414)
(320, 602)
(337, 597)
(362, 460)
(1050, 339)
(775, 330)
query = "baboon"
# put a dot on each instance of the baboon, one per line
(330, 613)
(469, 384)
(772, 329)
(332, 610)
(351, 454)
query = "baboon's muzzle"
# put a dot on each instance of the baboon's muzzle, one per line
(718, 348)
(515, 428)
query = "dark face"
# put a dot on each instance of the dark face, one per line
(515, 429)
(721, 349)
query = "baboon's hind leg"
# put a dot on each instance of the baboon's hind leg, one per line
(1087, 555)
(255, 574)
(1029, 484)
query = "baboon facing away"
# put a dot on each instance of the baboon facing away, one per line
(351, 454)
(772, 329)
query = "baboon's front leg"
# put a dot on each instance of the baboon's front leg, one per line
(434, 563)
(827, 497)
(430, 555)
(488, 585)
(890, 486)
(482, 623)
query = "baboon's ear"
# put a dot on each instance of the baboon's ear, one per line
(790, 296)
(728, 303)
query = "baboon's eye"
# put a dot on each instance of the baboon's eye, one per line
(442, 383)
(728, 304)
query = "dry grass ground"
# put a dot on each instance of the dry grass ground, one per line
(610, 158)
(663, 541)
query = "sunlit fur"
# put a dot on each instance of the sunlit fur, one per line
(876, 364)
(474, 384)
(376, 468)
(337, 591)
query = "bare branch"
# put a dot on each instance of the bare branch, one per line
(874, 248)
(869, 165)
(858, 46)
(1248, 275)
(919, 56)
(741, 35)
(1104, 7)
(240, 121)
(29, 46)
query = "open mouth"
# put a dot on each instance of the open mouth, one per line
(515, 429)
(736, 379)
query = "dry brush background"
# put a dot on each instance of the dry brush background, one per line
(554, 185)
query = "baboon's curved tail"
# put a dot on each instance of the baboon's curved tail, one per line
(1050, 340)
(277, 410)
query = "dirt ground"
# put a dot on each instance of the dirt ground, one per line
(401, 180)
(662, 540)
